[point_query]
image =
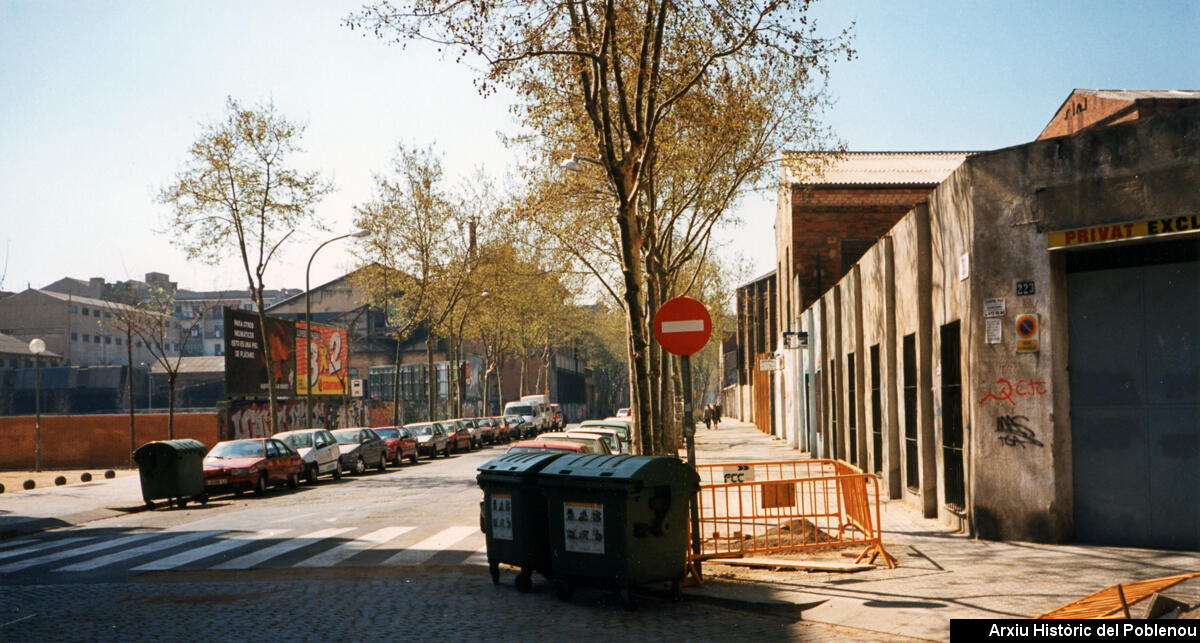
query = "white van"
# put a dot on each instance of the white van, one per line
(541, 404)
(530, 412)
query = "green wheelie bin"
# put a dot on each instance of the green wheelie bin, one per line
(172, 469)
(513, 514)
(618, 521)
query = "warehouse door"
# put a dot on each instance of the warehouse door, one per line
(1134, 324)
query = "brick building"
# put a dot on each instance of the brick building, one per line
(1087, 109)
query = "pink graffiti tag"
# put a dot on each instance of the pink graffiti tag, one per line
(1023, 388)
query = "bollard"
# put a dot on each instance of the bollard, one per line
(110, 474)
(60, 481)
(86, 477)
(29, 484)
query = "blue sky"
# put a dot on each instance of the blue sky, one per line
(100, 100)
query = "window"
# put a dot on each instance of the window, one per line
(107, 339)
(912, 477)
(118, 341)
(74, 309)
(876, 412)
(96, 313)
(952, 424)
(85, 311)
(96, 338)
(851, 409)
(74, 337)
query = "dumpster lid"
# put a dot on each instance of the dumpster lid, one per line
(178, 447)
(520, 462)
(659, 468)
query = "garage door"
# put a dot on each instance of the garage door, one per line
(1134, 324)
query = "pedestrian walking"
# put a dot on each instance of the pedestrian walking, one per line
(717, 415)
(707, 415)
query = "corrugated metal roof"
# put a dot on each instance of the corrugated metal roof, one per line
(1137, 94)
(10, 345)
(204, 364)
(869, 168)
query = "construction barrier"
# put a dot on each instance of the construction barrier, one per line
(749, 508)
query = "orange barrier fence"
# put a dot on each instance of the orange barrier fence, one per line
(757, 507)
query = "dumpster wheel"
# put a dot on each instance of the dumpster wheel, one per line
(524, 581)
(626, 594)
(563, 589)
(494, 568)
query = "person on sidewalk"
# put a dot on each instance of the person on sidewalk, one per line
(717, 415)
(707, 415)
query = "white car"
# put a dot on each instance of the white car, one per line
(610, 437)
(319, 450)
(596, 443)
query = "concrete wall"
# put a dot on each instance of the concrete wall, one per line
(877, 278)
(90, 441)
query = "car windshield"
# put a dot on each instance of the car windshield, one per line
(239, 449)
(422, 429)
(298, 440)
(388, 433)
(346, 436)
(519, 410)
(514, 419)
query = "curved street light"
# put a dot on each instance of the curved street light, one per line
(37, 347)
(308, 374)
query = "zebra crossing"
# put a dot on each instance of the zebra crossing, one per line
(84, 550)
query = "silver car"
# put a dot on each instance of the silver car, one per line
(319, 450)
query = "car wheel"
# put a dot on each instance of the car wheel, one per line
(397, 459)
(382, 462)
(446, 451)
(310, 473)
(260, 487)
(293, 480)
(359, 466)
(413, 457)
(337, 471)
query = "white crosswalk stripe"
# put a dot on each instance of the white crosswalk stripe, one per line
(126, 554)
(430, 547)
(72, 553)
(212, 549)
(350, 548)
(22, 550)
(278, 549)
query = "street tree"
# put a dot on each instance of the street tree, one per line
(239, 193)
(621, 69)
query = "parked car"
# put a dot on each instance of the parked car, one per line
(476, 432)
(519, 427)
(621, 426)
(399, 442)
(361, 447)
(609, 436)
(557, 420)
(459, 435)
(623, 412)
(596, 443)
(319, 450)
(488, 430)
(237, 465)
(431, 438)
(541, 446)
(529, 412)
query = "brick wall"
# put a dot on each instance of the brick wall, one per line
(93, 441)
(822, 218)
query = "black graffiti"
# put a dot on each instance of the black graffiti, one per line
(1014, 432)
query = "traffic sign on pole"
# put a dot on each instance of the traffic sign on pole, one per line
(682, 326)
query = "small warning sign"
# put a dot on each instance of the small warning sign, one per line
(583, 527)
(1027, 333)
(501, 510)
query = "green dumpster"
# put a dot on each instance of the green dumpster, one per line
(513, 514)
(618, 520)
(172, 469)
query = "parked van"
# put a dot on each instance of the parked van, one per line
(530, 413)
(541, 404)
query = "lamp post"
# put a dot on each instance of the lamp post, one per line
(308, 371)
(37, 347)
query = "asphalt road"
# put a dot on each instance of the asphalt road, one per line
(393, 555)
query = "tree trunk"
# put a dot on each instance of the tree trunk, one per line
(452, 401)
(431, 379)
(500, 380)
(129, 383)
(171, 375)
(396, 419)
(524, 374)
(266, 344)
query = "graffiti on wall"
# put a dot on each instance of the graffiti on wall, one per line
(252, 419)
(1006, 390)
(1014, 431)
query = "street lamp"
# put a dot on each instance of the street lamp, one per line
(308, 371)
(37, 347)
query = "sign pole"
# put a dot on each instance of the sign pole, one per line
(689, 435)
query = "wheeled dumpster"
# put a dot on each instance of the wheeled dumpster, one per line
(172, 469)
(513, 514)
(618, 521)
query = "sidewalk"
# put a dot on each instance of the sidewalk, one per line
(939, 574)
(36, 510)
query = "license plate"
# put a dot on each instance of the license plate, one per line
(217, 482)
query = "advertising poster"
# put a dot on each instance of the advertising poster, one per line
(583, 523)
(502, 527)
(326, 369)
(246, 372)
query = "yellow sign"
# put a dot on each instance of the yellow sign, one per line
(1123, 231)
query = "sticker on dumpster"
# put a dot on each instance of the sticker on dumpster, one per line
(502, 517)
(583, 527)
(737, 473)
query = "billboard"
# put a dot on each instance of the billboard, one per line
(246, 372)
(326, 370)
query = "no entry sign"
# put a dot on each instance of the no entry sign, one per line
(682, 326)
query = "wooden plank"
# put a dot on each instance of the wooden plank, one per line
(786, 563)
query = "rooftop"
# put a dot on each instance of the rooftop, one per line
(869, 168)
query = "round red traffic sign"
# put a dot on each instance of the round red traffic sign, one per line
(1027, 326)
(682, 326)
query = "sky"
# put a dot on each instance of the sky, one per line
(100, 100)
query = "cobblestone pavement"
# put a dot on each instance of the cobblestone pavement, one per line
(429, 603)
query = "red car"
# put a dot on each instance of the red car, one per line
(237, 465)
(492, 429)
(400, 443)
(459, 434)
